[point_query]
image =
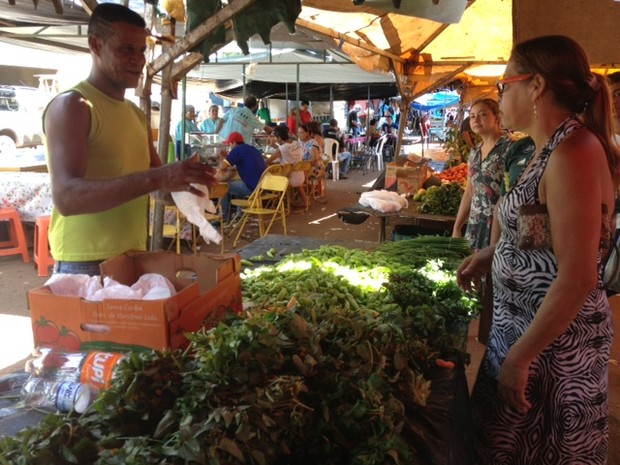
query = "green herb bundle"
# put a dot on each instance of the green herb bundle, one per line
(328, 365)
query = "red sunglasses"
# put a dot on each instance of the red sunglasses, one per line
(501, 84)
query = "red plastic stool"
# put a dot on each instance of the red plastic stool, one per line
(42, 257)
(17, 243)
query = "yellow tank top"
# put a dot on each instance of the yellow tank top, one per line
(117, 146)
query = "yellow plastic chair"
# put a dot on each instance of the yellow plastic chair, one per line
(270, 170)
(170, 230)
(270, 185)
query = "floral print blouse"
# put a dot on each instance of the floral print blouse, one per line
(486, 177)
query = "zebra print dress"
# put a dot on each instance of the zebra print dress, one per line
(567, 423)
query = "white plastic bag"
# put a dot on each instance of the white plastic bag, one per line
(193, 206)
(150, 286)
(383, 201)
(78, 285)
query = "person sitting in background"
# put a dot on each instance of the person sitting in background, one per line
(313, 150)
(209, 124)
(344, 156)
(242, 120)
(249, 164)
(318, 172)
(290, 151)
(390, 129)
(373, 132)
(190, 126)
(383, 117)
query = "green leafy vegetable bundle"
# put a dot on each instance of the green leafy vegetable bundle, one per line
(442, 200)
(327, 366)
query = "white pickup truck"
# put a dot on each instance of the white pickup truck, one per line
(21, 110)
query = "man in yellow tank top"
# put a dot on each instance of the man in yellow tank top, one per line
(100, 152)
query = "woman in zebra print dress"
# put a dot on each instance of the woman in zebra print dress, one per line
(541, 393)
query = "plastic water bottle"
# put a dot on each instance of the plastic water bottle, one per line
(95, 368)
(63, 396)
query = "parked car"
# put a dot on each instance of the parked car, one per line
(21, 111)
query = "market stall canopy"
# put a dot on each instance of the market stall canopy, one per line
(425, 54)
(443, 43)
(321, 74)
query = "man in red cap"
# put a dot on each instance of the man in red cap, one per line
(249, 164)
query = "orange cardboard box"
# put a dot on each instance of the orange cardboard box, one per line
(207, 286)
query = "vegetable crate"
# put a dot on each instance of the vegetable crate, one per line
(208, 285)
(405, 179)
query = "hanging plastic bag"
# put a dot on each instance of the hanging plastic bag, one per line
(193, 207)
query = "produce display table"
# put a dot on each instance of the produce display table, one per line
(444, 422)
(440, 223)
(446, 417)
(286, 245)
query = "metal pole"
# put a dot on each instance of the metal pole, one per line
(184, 138)
(243, 74)
(297, 95)
(367, 115)
(286, 100)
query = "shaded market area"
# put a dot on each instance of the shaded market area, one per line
(338, 334)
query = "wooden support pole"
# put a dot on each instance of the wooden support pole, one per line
(157, 238)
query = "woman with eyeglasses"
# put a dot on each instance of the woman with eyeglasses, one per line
(542, 389)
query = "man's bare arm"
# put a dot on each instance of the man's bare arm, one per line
(67, 124)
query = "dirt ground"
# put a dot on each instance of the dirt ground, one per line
(321, 222)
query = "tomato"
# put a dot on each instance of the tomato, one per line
(45, 332)
(445, 363)
(68, 340)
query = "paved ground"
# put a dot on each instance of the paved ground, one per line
(16, 278)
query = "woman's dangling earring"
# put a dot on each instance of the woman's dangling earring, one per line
(535, 112)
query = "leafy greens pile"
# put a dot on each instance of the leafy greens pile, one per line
(327, 366)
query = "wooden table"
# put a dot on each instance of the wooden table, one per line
(19, 168)
(413, 216)
(32, 162)
(29, 193)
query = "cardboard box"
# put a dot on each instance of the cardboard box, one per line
(207, 286)
(405, 179)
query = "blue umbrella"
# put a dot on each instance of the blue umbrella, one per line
(436, 100)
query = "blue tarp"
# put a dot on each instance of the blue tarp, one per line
(436, 100)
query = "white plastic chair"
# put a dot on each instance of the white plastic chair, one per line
(379, 151)
(331, 149)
